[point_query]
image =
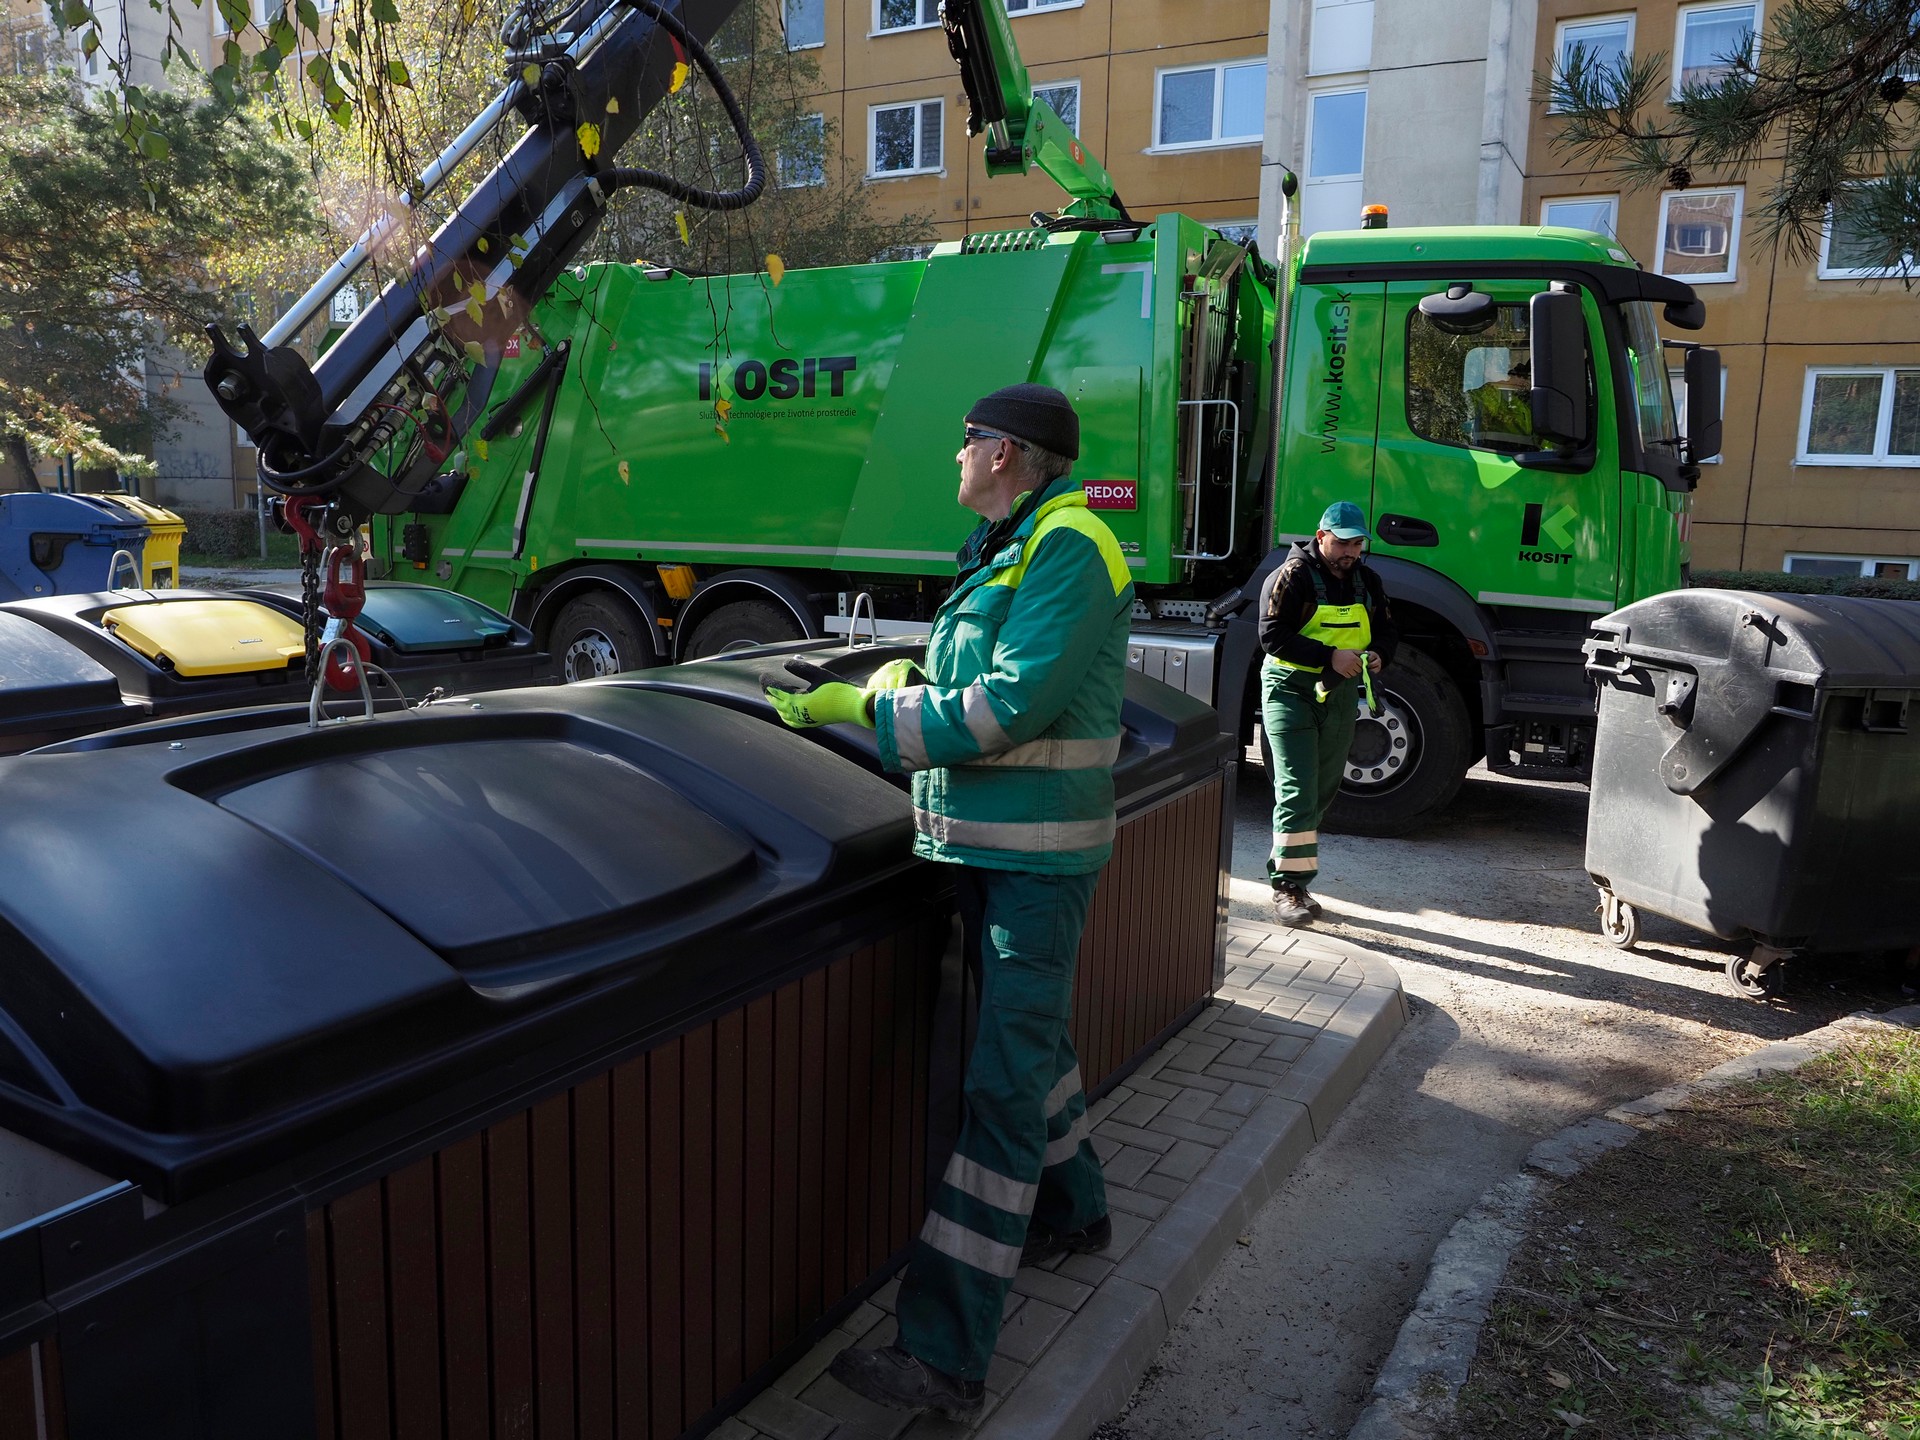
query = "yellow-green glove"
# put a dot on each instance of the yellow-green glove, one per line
(834, 704)
(896, 675)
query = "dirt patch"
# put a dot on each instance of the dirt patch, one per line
(1750, 1268)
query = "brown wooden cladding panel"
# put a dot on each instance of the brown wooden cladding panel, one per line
(1147, 954)
(32, 1404)
(617, 1258)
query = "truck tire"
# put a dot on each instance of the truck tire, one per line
(738, 625)
(1406, 766)
(598, 634)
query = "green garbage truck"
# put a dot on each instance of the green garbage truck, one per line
(654, 466)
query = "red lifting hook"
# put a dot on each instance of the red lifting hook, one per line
(344, 596)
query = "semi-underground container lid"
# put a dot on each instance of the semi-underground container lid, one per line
(207, 637)
(310, 928)
(411, 619)
(42, 676)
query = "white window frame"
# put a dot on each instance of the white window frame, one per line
(1034, 7)
(873, 138)
(921, 9)
(261, 10)
(1307, 175)
(819, 44)
(1677, 387)
(1074, 85)
(1612, 201)
(1579, 22)
(1863, 561)
(1883, 427)
(1739, 193)
(1217, 142)
(815, 120)
(1826, 271)
(1680, 32)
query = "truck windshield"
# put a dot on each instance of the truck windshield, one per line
(1647, 361)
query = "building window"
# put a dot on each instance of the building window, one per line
(1872, 567)
(905, 14)
(904, 139)
(1846, 253)
(1342, 38)
(1211, 104)
(806, 24)
(1022, 7)
(1240, 232)
(1337, 135)
(1677, 383)
(268, 12)
(1597, 213)
(1860, 416)
(802, 160)
(1601, 45)
(1700, 235)
(1711, 38)
(1064, 97)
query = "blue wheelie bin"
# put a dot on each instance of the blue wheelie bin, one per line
(53, 544)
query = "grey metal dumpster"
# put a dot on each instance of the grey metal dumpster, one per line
(1756, 773)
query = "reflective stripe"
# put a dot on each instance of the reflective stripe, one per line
(1062, 1150)
(1297, 862)
(1058, 755)
(970, 1247)
(976, 712)
(1069, 512)
(1022, 835)
(1000, 1191)
(1058, 1097)
(1298, 837)
(909, 739)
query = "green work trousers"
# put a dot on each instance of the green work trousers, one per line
(1023, 1155)
(1310, 739)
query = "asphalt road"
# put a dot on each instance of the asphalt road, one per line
(1525, 1020)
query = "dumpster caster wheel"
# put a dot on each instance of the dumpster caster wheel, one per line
(1619, 921)
(1759, 976)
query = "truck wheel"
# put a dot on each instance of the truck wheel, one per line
(598, 634)
(738, 625)
(1407, 763)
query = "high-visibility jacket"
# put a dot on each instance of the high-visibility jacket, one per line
(1012, 741)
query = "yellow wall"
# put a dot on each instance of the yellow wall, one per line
(1776, 319)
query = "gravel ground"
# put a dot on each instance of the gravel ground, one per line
(1525, 1020)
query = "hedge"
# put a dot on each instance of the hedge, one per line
(1777, 582)
(221, 534)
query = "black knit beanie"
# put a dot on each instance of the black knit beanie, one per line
(1036, 413)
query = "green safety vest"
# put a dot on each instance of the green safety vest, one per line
(1344, 627)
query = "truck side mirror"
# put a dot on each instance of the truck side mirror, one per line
(1462, 310)
(1703, 404)
(1685, 314)
(1558, 350)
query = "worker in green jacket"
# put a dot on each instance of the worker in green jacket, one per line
(1011, 743)
(1323, 619)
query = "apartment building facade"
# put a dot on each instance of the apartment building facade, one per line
(1170, 94)
(1820, 471)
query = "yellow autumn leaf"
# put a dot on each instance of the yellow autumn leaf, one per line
(680, 74)
(680, 220)
(723, 407)
(531, 74)
(721, 431)
(476, 315)
(626, 476)
(481, 244)
(776, 269)
(469, 11)
(613, 105)
(589, 140)
(478, 292)
(480, 448)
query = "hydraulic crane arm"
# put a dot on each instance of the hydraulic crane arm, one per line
(1022, 130)
(418, 365)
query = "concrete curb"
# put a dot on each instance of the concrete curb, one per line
(1104, 1351)
(1417, 1389)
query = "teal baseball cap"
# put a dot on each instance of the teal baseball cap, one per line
(1346, 520)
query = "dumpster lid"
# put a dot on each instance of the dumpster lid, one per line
(41, 675)
(415, 619)
(89, 515)
(207, 637)
(1829, 641)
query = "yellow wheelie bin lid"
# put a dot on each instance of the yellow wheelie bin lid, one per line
(208, 637)
(160, 562)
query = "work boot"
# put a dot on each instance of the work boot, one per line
(1291, 906)
(1044, 1244)
(890, 1376)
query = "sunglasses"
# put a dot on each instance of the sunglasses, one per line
(973, 433)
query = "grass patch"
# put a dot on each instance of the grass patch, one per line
(1750, 1269)
(283, 553)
